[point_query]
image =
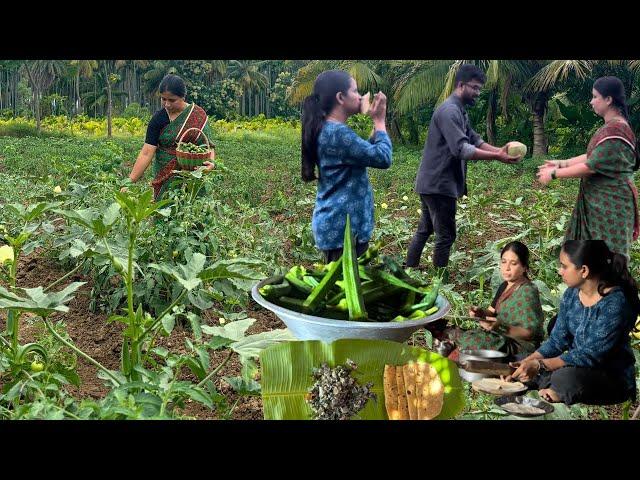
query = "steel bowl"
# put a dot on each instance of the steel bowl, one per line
(487, 355)
(310, 327)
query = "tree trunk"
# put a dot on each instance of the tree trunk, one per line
(36, 94)
(491, 117)
(36, 97)
(414, 135)
(78, 105)
(539, 107)
(106, 73)
(395, 128)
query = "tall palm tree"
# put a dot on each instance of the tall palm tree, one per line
(83, 69)
(248, 75)
(41, 75)
(131, 70)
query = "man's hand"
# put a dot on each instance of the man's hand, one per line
(209, 166)
(504, 157)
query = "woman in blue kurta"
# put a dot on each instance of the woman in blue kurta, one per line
(341, 158)
(588, 357)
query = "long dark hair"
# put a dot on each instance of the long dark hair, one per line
(610, 268)
(314, 110)
(173, 84)
(614, 88)
(521, 251)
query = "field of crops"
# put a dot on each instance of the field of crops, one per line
(158, 322)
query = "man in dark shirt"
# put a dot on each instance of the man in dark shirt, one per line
(441, 178)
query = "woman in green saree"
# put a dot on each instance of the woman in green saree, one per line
(513, 322)
(607, 205)
(165, 130)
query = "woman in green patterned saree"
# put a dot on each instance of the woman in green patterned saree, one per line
(513, 322)
(607, 205)
(165, 130)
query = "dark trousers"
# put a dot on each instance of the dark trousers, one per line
(591, 386)
(336, 253)
(439, 217)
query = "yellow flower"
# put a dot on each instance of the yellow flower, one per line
(57, 189)
(384, 206)
(222, 321)
(6, 254)
(405, 198)
(419, 212)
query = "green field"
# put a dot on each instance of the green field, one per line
(254, 220)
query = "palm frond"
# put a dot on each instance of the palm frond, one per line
(450, 80)
(558, 71)
(366, 78)
(302, 85)
(422, 83)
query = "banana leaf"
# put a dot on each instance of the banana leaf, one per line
(287, 374)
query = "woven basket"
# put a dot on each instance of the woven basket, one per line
(191, 161)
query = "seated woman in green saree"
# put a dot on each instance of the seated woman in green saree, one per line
(165, 130)
(607, 204)
(513, 323)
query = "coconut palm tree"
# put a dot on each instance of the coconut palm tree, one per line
(248, 75)
(368, 74)
(131, 73)
(41, 75)
(363, 73)
(83, 69)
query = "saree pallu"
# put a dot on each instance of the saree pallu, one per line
(165, 160)
(607, 204)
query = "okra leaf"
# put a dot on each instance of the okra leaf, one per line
(233, 331)
(243, 386)
(252, 345)
(38, 302)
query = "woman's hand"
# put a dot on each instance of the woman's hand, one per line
(378, 110)
(490, 324)
(209, 166)
(526, 370)
(552, 164)
(477, 312)
(544, 175)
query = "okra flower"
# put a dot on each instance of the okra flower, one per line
(405, 198)
(57, 189)
(6, 254)
(384, 206)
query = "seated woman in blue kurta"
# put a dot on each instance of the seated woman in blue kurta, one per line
(342, 158)
(588, 357)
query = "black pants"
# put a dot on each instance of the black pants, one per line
(439, 217)
(336, 253)
(591, 386)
